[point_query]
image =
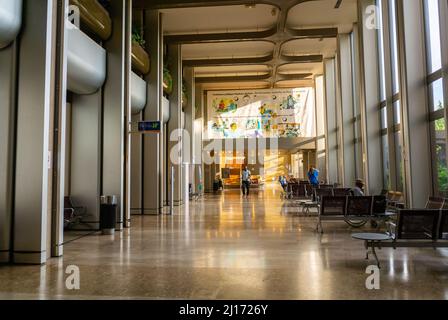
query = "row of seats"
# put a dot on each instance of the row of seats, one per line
(421, 228)
(348, 208)
(422, 224)
(437, 203)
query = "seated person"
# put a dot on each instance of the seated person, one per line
(217, 184)
(358, 190)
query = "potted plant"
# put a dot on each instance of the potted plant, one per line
(167, 81)
(95, 16)
(184, 94)
(140, 58)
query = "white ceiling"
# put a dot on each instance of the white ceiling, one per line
(237, 85)
(220, 71)
(219, 19)
(240, 18)
(220, 50)
(297, 68)
(326, 46)
(294, 83)
(322, 13)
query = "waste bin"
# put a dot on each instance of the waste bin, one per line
(108, 214)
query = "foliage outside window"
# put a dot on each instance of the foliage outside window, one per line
(441, 161)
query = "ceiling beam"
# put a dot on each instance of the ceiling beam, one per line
(173, 4)
(313, 33)
(232, 79)
(219, 37)
(294, 76)
(314, 58)
(227, 62)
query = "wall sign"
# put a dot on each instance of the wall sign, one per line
(149, 126)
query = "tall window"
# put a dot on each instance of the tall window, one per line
(390, 106)
(383, 96)
(436, 98)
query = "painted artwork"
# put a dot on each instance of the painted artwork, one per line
(282, 113)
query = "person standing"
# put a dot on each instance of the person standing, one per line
(245, 178)
(313, 176)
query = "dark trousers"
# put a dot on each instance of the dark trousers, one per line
(246, 187)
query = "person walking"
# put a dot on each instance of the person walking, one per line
(245, 179)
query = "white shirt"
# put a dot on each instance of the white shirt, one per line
(246, 175)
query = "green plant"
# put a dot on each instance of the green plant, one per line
(442, 177)
(167, 80)
(138, 37)
(440, 124)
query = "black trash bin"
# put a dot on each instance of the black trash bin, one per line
(108, 214)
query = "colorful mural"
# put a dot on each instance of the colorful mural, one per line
(283, 113)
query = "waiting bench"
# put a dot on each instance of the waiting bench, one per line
(423, 228)
(355, 211)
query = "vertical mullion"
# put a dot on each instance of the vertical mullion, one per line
(389, 94)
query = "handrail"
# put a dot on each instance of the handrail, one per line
(10, 21)
(93, 14)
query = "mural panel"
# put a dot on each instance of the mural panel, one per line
(277, 113)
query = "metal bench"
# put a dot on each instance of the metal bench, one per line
(355, 211)
(422, 228)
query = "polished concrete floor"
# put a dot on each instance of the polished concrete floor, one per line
(226, 247)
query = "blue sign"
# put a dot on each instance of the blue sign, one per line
(149, 126)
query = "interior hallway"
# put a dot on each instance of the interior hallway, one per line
(226, 247)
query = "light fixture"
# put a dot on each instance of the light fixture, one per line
(250, 6)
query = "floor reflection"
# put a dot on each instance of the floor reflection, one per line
(227, 247)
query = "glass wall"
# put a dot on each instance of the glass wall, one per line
(390, 105)
(436, 97)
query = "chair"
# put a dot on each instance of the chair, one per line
(359, 206)
(445, 203)
(321, 193)
(341, 192)
(443, 229)
(326, 186)
(309, 189)
(379, 205)
(395, 200)
(423, 228)
(417, 224)
(298, 190)
(434, 203)
(331, 207)
(72, 213)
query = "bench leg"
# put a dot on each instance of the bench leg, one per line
(319, 227)
(376, 257)
(372, 246)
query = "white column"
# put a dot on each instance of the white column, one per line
(370, 100)
(330, 121)
(32, 203)
(175, 125)
(153, 144)
(415, 129)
